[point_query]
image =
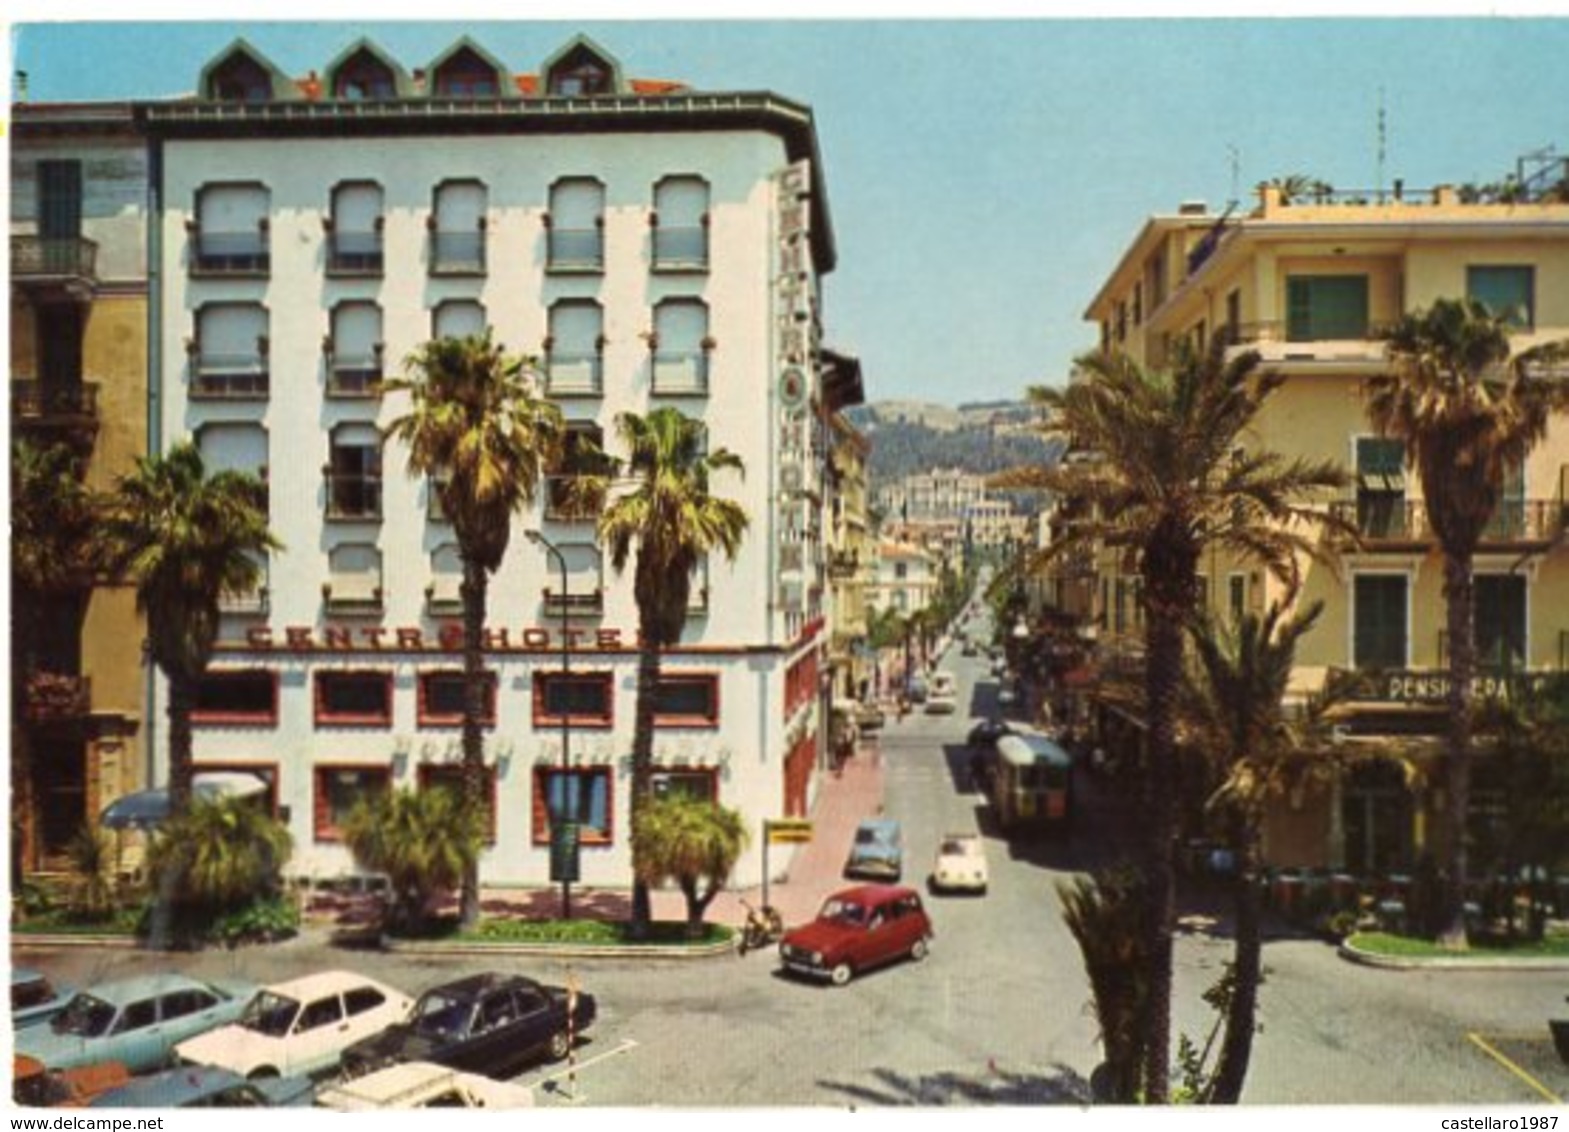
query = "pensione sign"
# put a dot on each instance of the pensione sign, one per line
(449, 638)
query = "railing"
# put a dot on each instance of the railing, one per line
(354, 375)
(567, 502)
(353, 598)
(1405, 522)
(1508, 656)
(575, 249)
(229, 377)
(457, 253)
(576, 603)
(681, 249)
(230, 253)
(680, 373)
(354, 253)
(353, 495)
(44, 401)
(49, 257)
(1278, 332)
(254, 601)
(442, 605)
(574, 374)
(843, 564)
(57, 696)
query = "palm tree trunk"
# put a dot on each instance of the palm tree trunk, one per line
(1460, 597)
(475, 584)
(648, 663)
(1163, 639)
(1236, 1049)
(182, 697)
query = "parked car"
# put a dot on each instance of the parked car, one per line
(36, 1087)
(490, 1023)
(422, 1084)
(135, 1021)
(877, 850)
(961, 864)
(858, 929)
(941, 703)
(207, 1086)
(301, 1026)
(34, 998)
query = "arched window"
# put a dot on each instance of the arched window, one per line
(457, 229)
(681, 348)
(355, 229)
(353, 473)
(229, 352)
(680, 224)
(354, 351)
(574, 350)
(577, 226)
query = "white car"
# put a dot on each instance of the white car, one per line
(301, 1026)
(961, 864)
(941, 703)
(423, 1084)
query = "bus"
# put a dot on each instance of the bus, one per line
(1032, 784)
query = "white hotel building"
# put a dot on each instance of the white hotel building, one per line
(651, 245)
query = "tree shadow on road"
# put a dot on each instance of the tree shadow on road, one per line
(1058, 1085)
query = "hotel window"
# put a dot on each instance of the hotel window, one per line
(449, 776)
(581, 699)
(339, 789)
(681, 348)
(354, 351)
(228, 353)
(581, 795)
(1381, 488)
(229, 234)
(457, 229)
(354, 230)
(1508, 292)
(697, 593)
(363, 76)
(354, 585)
(353, 473)
(1500, 621)
(466, 74)
(1324, 307)
(575, 226)
(457, 318)
(1379, 629)
(444, 594)
(441, 699)
(680, 224)
(234, 447)
(574, 363)
(567, 498)
(687, 701)
(697, 784)
(239, 78)
(1509, 519)
(361, 699)
(585, 580)
(237, 697)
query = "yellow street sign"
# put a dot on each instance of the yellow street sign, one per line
(787, 831)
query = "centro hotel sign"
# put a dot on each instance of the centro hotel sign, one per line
(449, 638)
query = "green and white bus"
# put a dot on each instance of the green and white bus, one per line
(1032, 784)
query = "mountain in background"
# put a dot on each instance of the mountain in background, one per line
(915, 436)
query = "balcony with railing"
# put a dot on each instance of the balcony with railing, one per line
(680, 373)
(253, 602)
(353, 496)
(1274, 342)
(231, 254)
(229, 377)
(457, 253)
(574, 374)
(575, 250)
(570, 499)
(843, 564)
(354, 253)
(681, 249)
(63, 267)
(354, 376)
(1403, 524)
(351, 597)
(49, 697)
(49, 404)
(575, 601)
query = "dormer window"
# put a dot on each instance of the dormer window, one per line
(364, 77)
(590, 78)
(241, 79)
(580, 69)
(466, 75)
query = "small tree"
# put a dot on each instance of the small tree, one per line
(224, 854)
(692, 841)
(423, 841)
(1107, 916)
(92, 867)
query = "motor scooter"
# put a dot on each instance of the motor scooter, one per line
(763, 926)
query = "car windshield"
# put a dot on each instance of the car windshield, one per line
(957, 847)
(85, 1016)
(270, 1014)
(844, 912)
(869, 836)
(438, 1015)
(30, 992)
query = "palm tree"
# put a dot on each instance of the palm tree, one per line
(425, 842)
(694, 841)
(1169, 481)
(477, 430)
(672, 521)
(185, 539)
(227, 852)
(1106, 915)
(1468, 411)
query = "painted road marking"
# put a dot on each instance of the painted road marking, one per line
(1513, 1068)
(552, 1083)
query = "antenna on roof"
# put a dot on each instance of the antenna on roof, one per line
(1382, 139)
(1236, 166)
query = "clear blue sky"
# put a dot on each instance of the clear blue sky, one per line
(985, 175)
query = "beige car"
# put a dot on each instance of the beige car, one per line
(422, 1084)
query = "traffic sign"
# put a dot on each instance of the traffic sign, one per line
(787, 831)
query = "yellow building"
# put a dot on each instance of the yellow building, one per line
(849, 540)
(1308, 284)
(79, 182)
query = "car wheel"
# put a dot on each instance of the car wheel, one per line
(918, 951)
(841, 974)
(262, 1073)
(560, 1045)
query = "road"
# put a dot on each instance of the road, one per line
(997, 1013)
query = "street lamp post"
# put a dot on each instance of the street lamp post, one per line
(560, 825)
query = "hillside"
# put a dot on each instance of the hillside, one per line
(910, 436)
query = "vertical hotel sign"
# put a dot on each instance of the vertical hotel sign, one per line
(795, 333)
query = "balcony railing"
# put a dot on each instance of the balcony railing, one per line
(354, 375)
(442, 604)
(1404, 522)
(51, 696)
(680, 373)
(568, 501)
(353, 495)
(351, 597)
(574, 374)
(681, 249)
(843, 564)
(230, 253)
(354, 253)
(575, 603)
(1274, 339)
(47, 402)
(229, 377)
(255, 601)
(575, 249)
(40, 259)
(457, 253)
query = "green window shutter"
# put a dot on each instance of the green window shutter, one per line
(59, 199)
(1499, 622)
(1508, 292)
(1320, 307)
(1380, 628)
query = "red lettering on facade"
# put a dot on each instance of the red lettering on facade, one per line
(492, 639)
(337, 637)
(372, 635)
(452, 637)
(411, 639)
(608, 638)
(259, 637)
(536, 639)
(298, 637)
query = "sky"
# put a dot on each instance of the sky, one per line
(984, 175)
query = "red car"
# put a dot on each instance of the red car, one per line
(857, 929)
